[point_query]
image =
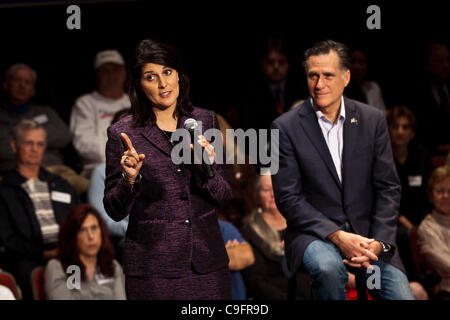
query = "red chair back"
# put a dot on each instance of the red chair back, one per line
(38, 283)
(7, 280)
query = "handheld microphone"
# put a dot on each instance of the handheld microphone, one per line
(192, 126)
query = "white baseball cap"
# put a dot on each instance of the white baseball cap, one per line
(112, 56)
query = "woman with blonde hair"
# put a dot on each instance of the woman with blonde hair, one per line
(264, 230)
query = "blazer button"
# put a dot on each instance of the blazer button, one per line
(179, 171)
(184, 196)
(187, 223)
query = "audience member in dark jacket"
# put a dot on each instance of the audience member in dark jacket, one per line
(33, 202)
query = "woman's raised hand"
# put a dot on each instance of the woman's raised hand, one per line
(131, 161)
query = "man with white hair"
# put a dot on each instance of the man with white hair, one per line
(93, 112)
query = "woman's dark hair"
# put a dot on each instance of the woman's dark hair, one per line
(120, 114)
(324, 47)
(162, 53)
(401, 111)
(69, 253)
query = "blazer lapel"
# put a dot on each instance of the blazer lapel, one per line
(154, 135)
(351, 125)
(315, 135)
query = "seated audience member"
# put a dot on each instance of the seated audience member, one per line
(359, 87)
(117, 229)
(431, 101)
(274, 89)
(434, 231)
(414, 166)
(19, 86)
(240, 256)
(92, 113)
(84, 243)
(33, 203)
(264, 230)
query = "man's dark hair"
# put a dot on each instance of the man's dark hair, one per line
(401, 111)
(324, 47)
(275, 44)
(162, 53)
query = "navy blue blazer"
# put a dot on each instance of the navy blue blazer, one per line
(308, 191)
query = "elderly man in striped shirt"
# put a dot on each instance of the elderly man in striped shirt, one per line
(33, 202)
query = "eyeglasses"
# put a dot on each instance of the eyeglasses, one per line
(441, 192)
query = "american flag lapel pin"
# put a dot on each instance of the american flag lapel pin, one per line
(353, 120)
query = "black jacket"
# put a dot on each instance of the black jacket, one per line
(20, 232)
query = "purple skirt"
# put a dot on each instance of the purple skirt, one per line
(215, 285)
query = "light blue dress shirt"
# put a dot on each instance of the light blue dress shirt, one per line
(333, 134)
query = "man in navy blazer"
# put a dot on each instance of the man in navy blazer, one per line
(337, 185)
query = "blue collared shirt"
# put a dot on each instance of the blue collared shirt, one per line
(333, 134)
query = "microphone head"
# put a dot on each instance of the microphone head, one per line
(190, 124)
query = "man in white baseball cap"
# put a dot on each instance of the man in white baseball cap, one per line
(93, 112)
(108, 56)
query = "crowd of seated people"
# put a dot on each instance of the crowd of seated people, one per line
(19, 89)
(414, 166)
(40, 193)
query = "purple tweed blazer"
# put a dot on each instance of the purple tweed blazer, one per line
(159, 241)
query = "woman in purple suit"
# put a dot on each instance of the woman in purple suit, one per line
(173, 247)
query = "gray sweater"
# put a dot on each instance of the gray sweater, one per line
(100, 288)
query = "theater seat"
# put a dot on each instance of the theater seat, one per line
(8, 280)
(38, 283)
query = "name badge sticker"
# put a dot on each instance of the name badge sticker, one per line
(415, 181)
(61, 197)
(41, 119)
